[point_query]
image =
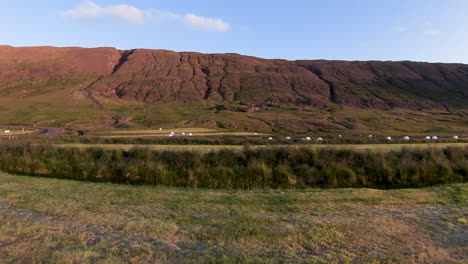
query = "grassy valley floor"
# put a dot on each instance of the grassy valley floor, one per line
(62, 221)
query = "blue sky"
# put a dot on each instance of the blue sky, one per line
(420, 30)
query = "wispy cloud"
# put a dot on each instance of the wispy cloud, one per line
(89, 10)
(202, 23)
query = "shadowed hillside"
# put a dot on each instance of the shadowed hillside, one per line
(109, 87)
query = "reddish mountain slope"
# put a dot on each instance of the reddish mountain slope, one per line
(160, 75)
(155, 75)
(107, 74)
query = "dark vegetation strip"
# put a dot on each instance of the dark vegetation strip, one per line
(247, 169)
(236, 140)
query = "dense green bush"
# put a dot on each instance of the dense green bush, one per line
(260, 168)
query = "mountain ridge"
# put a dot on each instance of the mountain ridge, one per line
(228, 53)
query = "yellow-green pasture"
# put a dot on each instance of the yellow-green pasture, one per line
(177, 133)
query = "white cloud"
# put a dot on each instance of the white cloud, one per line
(90, 10)
(202, 23)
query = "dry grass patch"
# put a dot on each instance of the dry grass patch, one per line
(49, 220)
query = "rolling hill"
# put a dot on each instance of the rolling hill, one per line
(106, 87)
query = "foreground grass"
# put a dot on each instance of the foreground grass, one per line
(61, 221)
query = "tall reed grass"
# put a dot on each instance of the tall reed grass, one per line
(251, 168)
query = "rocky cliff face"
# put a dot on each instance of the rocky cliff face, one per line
(155, 75)
(162, 76)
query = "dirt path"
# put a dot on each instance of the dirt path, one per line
(44, 131)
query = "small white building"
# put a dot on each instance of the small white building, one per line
(427, 137)
(270, 138)
(319, 139)
(288, 138)
(435, 138)
(308, 138)
(406, 138)
(455, 137)
(388, 138)
(190, 134)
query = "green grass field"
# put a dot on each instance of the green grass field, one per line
(160, 132)
(196, 132)
(60, 221)
(207, 148)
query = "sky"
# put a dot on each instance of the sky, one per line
(418, 30)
